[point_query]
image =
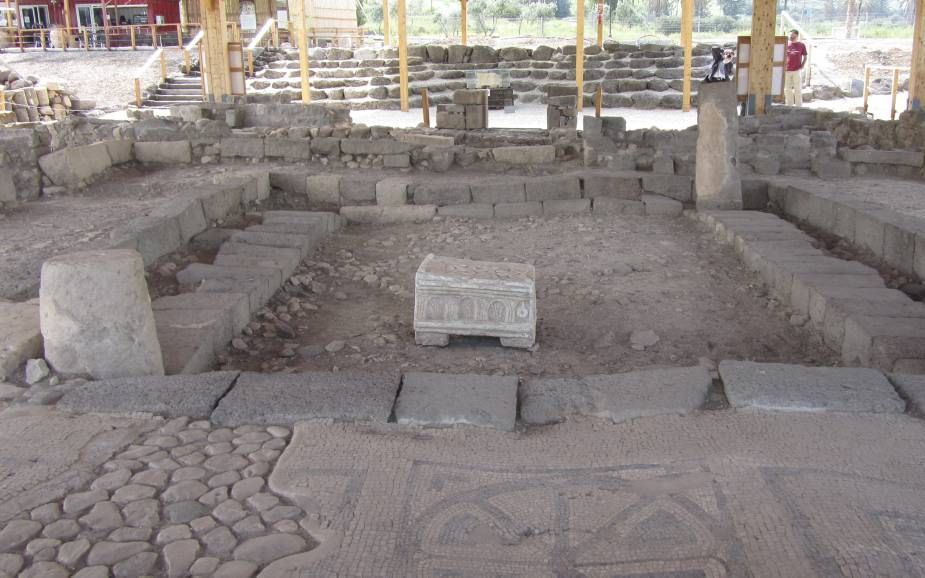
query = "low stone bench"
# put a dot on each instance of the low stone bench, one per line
(461, 297)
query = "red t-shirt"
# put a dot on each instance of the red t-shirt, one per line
(795, 52)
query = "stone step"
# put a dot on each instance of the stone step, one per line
(191, 396)
(263, 282)
(284, 399)
(781, 387)
(234, 305)
(619, 397)
(284, 240)
(285, 264)
(159, 97)
(171, 90)
(443, 400)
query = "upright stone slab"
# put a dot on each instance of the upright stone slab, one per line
(462, 297)
(95, 315)
(717, 184)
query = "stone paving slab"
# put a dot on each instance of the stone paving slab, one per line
(173, 396)
(20, 337)
(443, 399)
(279, 398)
(330, 220)
(715, 494)
(783, 387)
(235, 305)
(618, 397)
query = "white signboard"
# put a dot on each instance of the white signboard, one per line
(282, 19)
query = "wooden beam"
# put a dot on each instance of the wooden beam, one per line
(386, 23)
(216, 79)
(425, 107)
(464, 22)
(866, 86)
(761, 61)
(580, 53)
(894, 88)
(403, 55)
(67, 23)
(687, 41)
(300, 19)
(599, 17)
(917, 69)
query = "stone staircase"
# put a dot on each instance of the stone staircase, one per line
(648, 76)
(177, 90)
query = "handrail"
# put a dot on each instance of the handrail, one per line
(187, 64)
(156, 55)
(268, 26)
(894, 85)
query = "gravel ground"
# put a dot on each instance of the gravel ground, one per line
(599, 280)
(107, 77)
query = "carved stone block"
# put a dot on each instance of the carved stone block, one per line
(462, 297)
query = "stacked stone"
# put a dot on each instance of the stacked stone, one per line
(647, 76)
(28, 102)
(187, 500)
(469, 111)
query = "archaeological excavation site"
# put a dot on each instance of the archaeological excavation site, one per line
(310, 302)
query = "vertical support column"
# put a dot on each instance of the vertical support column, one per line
(214, 49)
(893, 90)
(599, 17)
(598, 101)
(131, 33)
(301, 30)
(67, 22)
(386, 23)
(425, 107)
(464, 22)
(761, 63)
(866, 86)
(580, 53)
(687, 41)
(917, 68)
(403, 55)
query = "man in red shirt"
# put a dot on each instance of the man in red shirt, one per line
(793, 78)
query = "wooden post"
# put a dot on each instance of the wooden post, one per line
(163, 66)
(106, 26)
(580, 53)
(866, 86)
(600, 23)
(2, 99)
(131, 33)
(386, 23)
(464, 22)
(22, 45)
(762, 55)
(301, 29)
(250, 62)
(403, 55)
(275, 34)
(42, 38)
(687, 41)
(179, 35)
(425, 107)
(917, 69)
(214, 60)
(86, 40)
(186, 60)
(153, 36)
(138, 92)
(894, 89)
(598, 101)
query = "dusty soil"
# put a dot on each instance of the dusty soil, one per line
(107, 77)
(598, 280)
(38, 230)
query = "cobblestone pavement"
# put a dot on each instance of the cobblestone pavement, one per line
(718, 494)
(182, 499)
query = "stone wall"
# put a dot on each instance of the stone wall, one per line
(647, 76)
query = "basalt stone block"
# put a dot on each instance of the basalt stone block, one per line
(717, 183)
(612, 185)
(502, 190)
(462, 297)
(444, 400)
(441, 193)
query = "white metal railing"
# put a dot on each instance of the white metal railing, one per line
(157, 55)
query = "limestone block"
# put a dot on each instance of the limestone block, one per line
(233, 305)
(120, 151)
(518, 210)
(172, 152)
(219, 201)
(75, 166)
(323, 189)
(658, 205)
(883, 342)
(389, 214)
(678, 187)
(392, 191)
(717, 184)
(20, 339)
(605, 205)
(525, 155)
(616, 186)
(384, 146)
(290, 182)
(188, 214)
(441, 193)
(291, 149)
(442, 400)
(882, 157)
(7, 186)
(500, 190)
(566, 207)
(358, 188)
(246, 147)
(918, 260)
(553, 187)
(426, 139)
(152, 236)
(96, 316)
(462, 297)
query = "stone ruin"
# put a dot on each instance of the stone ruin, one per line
(30, 100)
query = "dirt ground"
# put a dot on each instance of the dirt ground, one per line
(107, 77)
(38, 230)
(599, 279)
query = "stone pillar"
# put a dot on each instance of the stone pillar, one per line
(717, 184)
(96, 315)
